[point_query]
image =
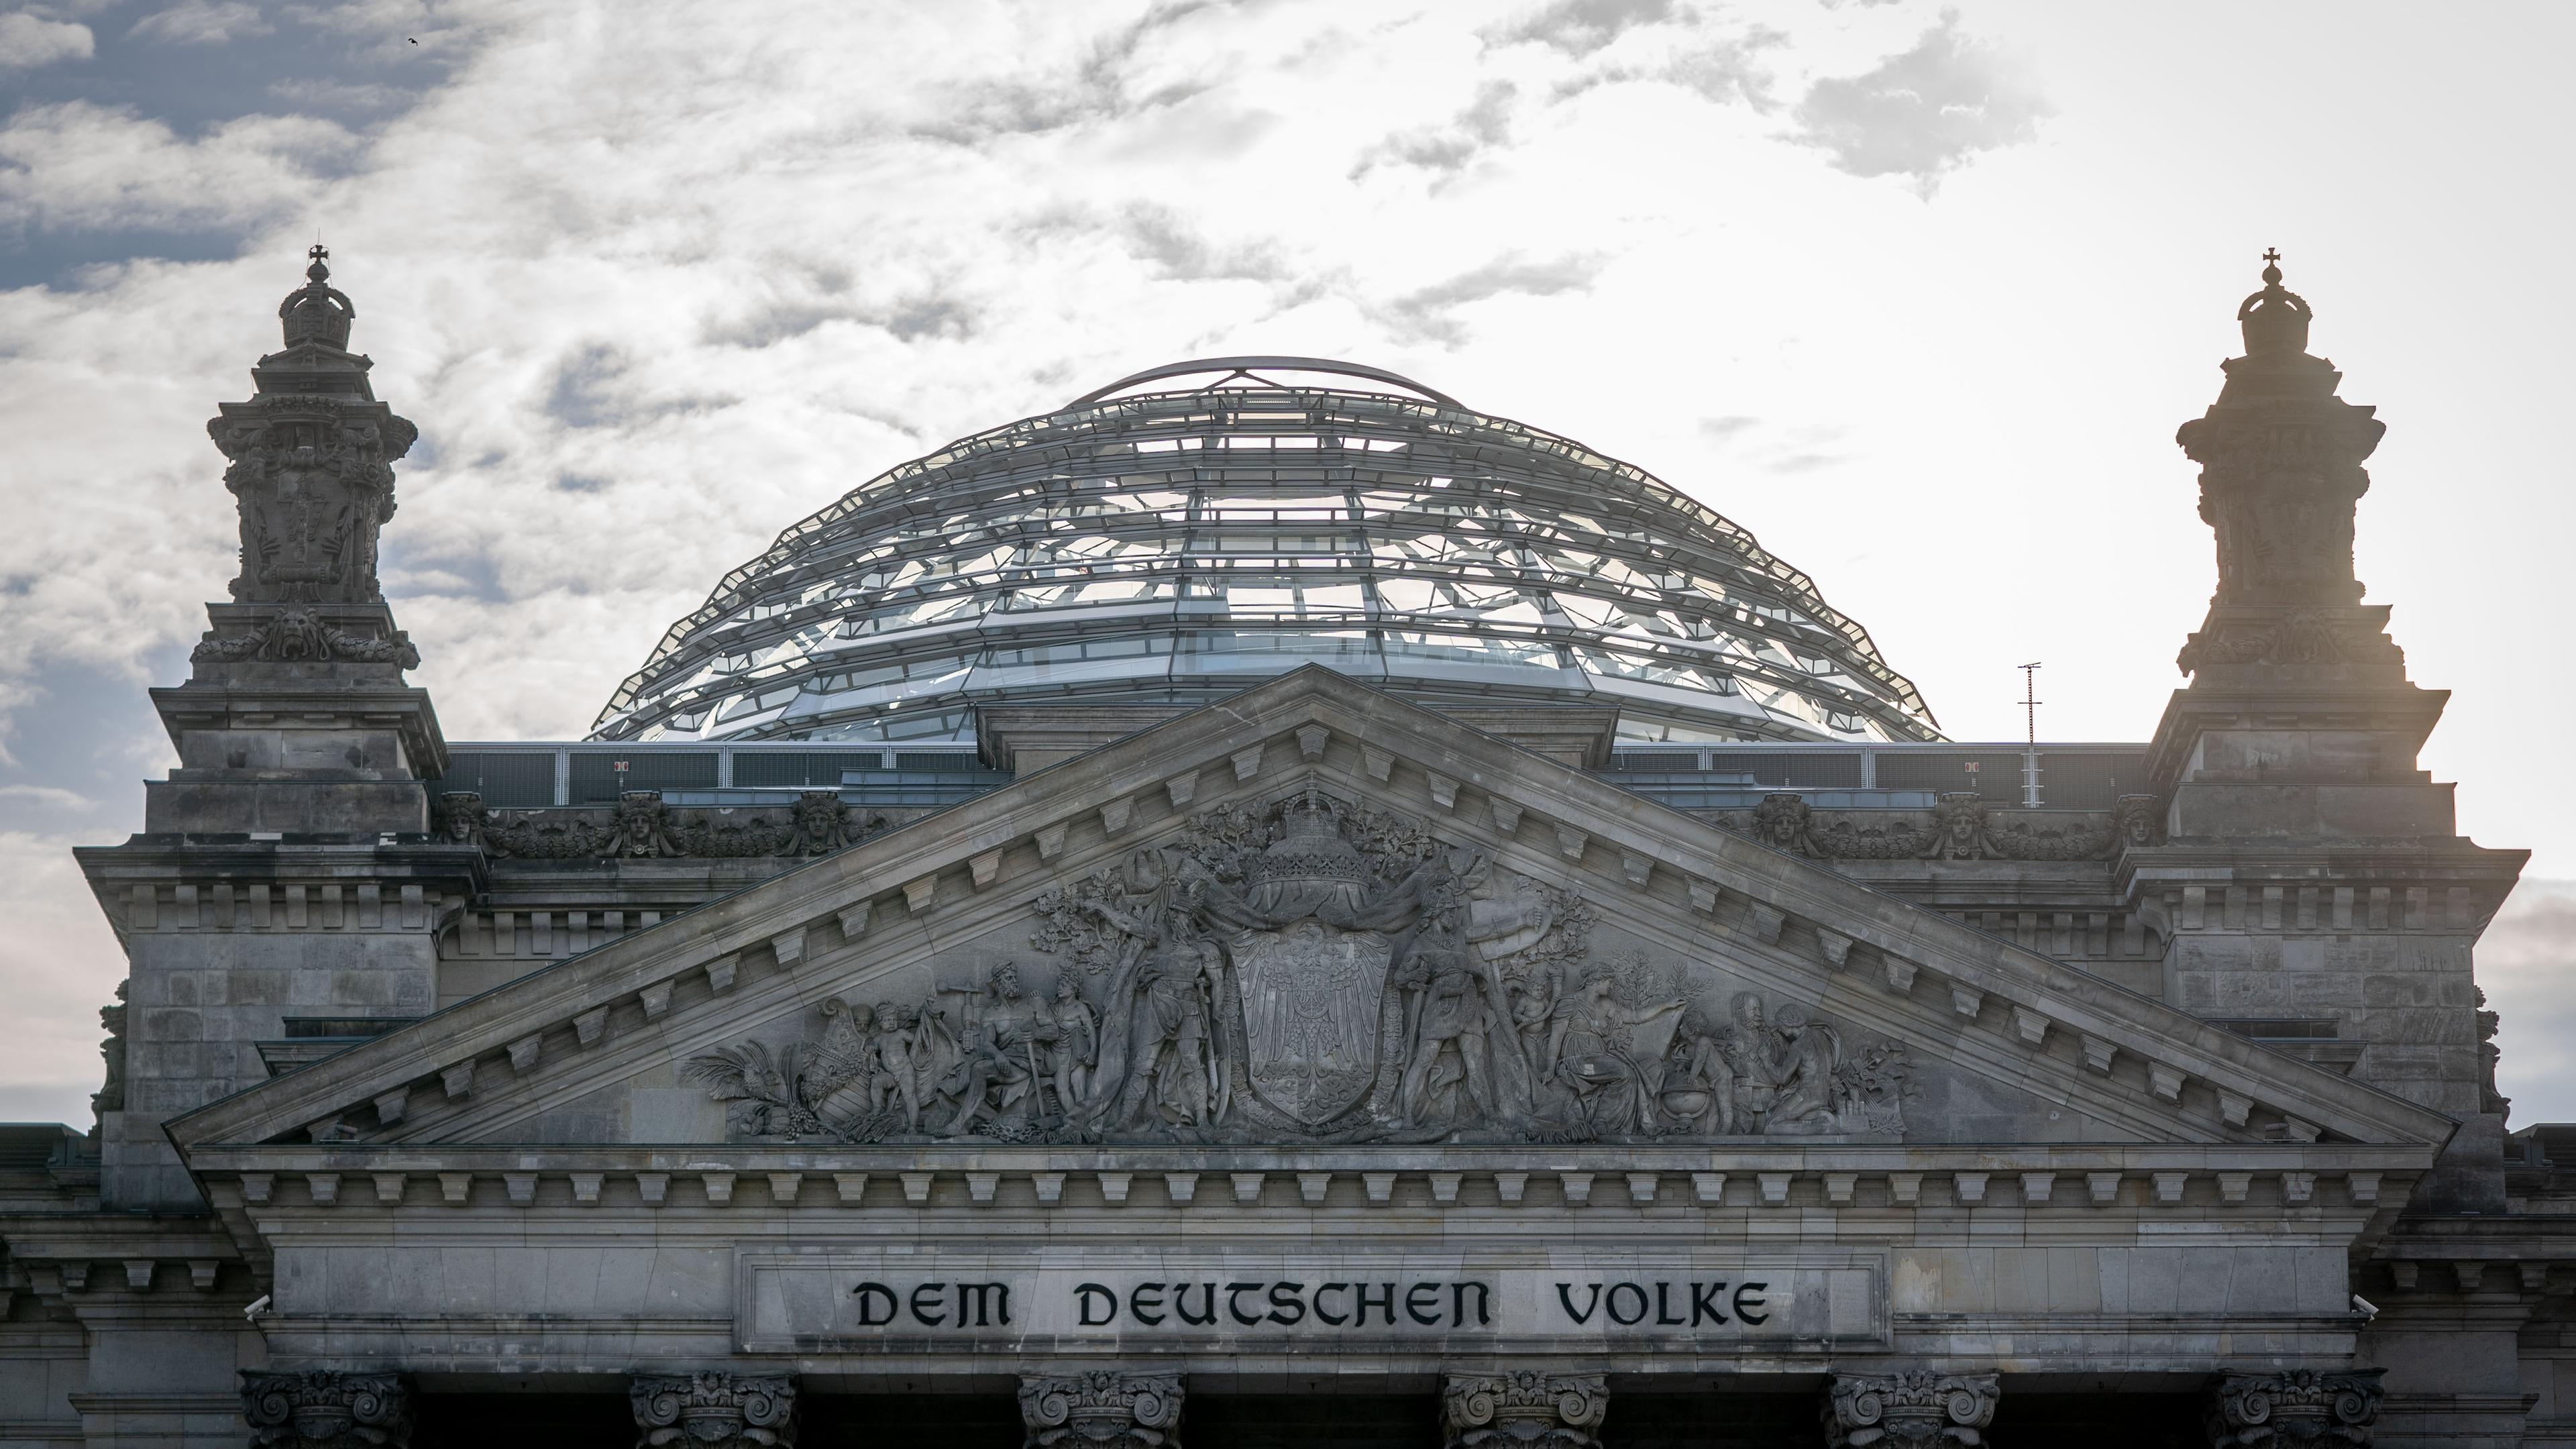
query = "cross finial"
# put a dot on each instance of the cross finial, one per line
(2271, 254)
(319, 252)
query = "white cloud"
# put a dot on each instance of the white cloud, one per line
(203, 22)
(28, 40)
(1924, 113)
(75, 165)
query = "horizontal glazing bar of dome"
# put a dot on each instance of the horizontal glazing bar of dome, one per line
(1175, 547)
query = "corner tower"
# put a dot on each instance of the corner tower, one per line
(300, 805)
(2313, 875)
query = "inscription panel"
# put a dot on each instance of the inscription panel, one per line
(978, 1298)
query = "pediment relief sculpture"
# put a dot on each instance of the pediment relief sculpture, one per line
(1321, 972)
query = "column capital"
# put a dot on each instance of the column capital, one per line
(714, 1410)
(325, 1409)
(1909, 1408)
(1102, 1409)
(2301, 1406)
(1524, 1408)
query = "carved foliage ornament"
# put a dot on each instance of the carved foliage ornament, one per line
(1961, 827)
(298, 635)
(1920, 1408)
(2302, 1406)
(642, 826)
(1522, 1408)
(2301, 638)
(324, 1407)
(1101, 1409)
(1311, 973)
(713, 1411)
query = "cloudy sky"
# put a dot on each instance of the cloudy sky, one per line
(1917, 293)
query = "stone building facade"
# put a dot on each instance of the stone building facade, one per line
(1330, 1030)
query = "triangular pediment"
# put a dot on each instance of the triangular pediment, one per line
(1312, 914)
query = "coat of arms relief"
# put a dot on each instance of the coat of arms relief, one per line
(1314, 971)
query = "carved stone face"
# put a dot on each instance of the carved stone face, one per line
(887, 1014)
(1779, 818)
(1747, 1008)
(1006, 982)
(1064, 989)
(862, 1016)
(1791, 1021)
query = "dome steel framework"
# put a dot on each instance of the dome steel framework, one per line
(1154, 543)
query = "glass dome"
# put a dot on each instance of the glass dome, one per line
(1188, 532)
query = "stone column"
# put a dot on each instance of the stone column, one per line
(1921, 1408)
(714, 1410)
(326, 1409)
(1523, 1408)
(1101, 1409)
(2302, 1406)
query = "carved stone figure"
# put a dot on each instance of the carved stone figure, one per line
(1782, 1073)
(1959, 829)
(2137, 820)
(640, 816)
(1610, 1055)
(893, 1078)
(1452, 1047)
(2489, 1055)
(110, 1097)
(713, 1411)
(1522, 1409)
(822, 823)
(1167, 1037)
(2301, 1406)
(325, 1409)
(1780, 822)
(1000, 1063)
(1915, 1408)
(1738, 1067)
(1101, 1409)
(1077, 1046)
(460, 819)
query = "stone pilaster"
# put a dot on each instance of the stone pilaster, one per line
(2302, 1406)
(1920, 1408)
(714, 1410)
(1101, 1409)
(1522, 1409)
(326, 1409)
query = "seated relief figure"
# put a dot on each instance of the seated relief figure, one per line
(1311, 972)
(1610, 1055)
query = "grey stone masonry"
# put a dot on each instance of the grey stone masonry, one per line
(1522, 1407)
(2309, 869)
(1102, 1409)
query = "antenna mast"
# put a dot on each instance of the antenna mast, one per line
(2030, 745)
